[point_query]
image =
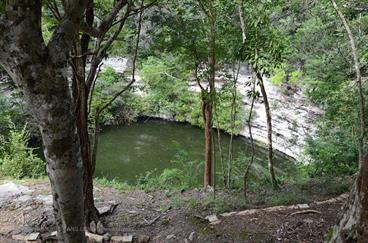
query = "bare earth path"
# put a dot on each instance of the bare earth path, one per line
(165, 216)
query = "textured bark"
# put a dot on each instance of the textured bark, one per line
(40, 71)
(353, 226)
(269, 130)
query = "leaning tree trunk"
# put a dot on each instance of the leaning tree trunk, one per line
(353, 226)
(269, 130)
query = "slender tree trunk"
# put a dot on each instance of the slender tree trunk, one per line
(207, 115)
(208, 97)
(249, 123)
(269, 130)
(81, 96)
(353, 226)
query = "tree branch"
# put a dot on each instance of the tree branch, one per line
(134, 65)
(62, 38)
(106, 23)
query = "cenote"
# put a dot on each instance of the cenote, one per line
(125, 152)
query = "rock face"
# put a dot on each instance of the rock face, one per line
(293, 115)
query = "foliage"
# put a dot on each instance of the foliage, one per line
(12, 109)
(320, 49)
(17, 159)
(114, 183)
(184, 176)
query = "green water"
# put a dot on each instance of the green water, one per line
(127, 151)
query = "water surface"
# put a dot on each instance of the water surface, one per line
(127, 151)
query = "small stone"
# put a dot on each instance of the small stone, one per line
(191, 236)
(100, 229)
(94, 237)
(143, 238)
(54, 233)
(32, 237)
(213, 219)
(107, 237)
(303, 206)
(170, 237)
(126, 238)
(92, 227)
(103, 210)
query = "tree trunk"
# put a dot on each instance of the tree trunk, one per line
(269, 131)
(207, 115)
(40, 71)
(353, 226)
(52, 107)
(81, 93)
(90, 211)
(361, 99)
(249, 123)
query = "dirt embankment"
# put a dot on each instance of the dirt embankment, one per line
(166, 216)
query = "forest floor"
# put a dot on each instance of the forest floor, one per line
(177, 216)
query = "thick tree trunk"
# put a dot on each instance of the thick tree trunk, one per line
(64, 163)
(353, 226)
(269, 130)
(54, 114)
(40, 71)
(207, 115)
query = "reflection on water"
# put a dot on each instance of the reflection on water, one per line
(127, 151)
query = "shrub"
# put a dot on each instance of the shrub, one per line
(17, 159)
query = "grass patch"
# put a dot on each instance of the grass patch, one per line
(113, 183)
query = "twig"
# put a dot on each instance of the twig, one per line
(305, 212)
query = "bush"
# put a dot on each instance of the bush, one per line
(186, 175)
(17, 159)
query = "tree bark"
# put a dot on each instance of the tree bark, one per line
(269, 131)
(40, 71)
(353, 226)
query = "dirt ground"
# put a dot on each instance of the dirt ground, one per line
(166, 216)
